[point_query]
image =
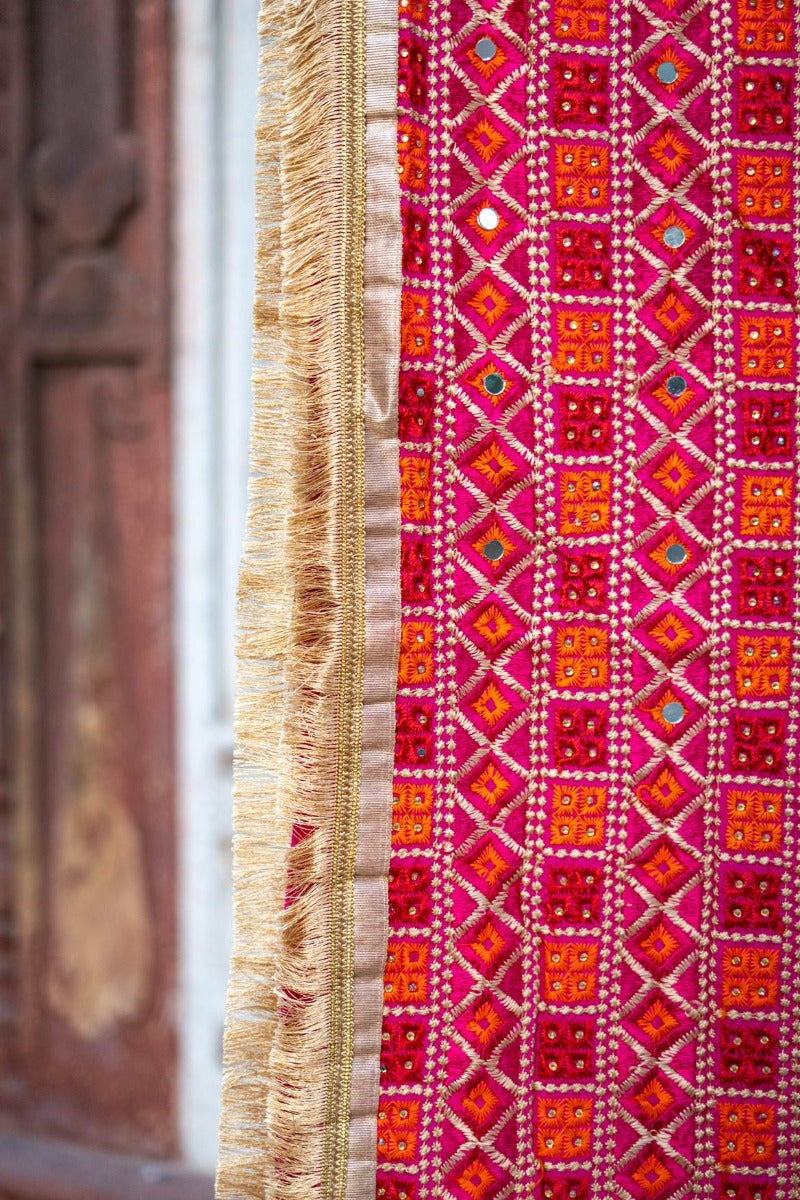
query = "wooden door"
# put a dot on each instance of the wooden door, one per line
(87, 810)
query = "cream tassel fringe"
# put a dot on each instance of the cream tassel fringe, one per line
(276, 1092)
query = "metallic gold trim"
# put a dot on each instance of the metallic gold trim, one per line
(382, 289)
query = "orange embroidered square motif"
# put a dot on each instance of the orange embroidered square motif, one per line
(580, 175)
(563, 1127)
(416, 654)
(762, 665)
(753, 820)
(766, 346)
(763, 187)
(581, 657)
(764, 27)
(406, 975)
(411, 814)
(584, 21)
(415, 487)
(577, 817)
(766, 509)
(582, 341)
(412, 155)
(415, 10)
(750, 977)
(584, 498)
(569, 971)
(746, 1132)
(398, 1122)
(415, 324)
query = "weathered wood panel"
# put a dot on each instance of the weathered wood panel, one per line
(87, 853)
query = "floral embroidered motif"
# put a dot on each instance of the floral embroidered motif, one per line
(402, 1051)
(416, 258)
(584, 421)
(583, 582)
(748, 1054)
(581, 259)
(764, 584)
(757, 744)
(765, 266)
(766, 427)
(412, 73)
(752, 901)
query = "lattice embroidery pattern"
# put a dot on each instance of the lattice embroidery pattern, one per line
(592, 954)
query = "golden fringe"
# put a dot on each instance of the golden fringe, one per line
(275, 1094)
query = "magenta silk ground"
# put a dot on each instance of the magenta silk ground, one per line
(592, 961)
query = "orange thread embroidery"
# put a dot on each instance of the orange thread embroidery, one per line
(412, 155)
(398, 1122)
(416, 654)
(415, 487)
(763, 186)
(753, 821)
(578, 815)
(749, 977)
(585, 503)
(764, 27)
(415, 325)
(581, 656)
(581, 175)
(762, 665)
(580, 21)
(583, 341)
(746, 1132)
(569, 974)
(563, 1127)
(411, 814)
(766, 506)
(406, 975)
(766, 346)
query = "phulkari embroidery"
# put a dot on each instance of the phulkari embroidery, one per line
(517, 840)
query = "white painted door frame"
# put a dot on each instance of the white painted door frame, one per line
(214, 116)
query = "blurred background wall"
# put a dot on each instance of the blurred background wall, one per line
(126, 245)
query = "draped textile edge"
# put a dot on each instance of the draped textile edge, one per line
(382, 291)
(310, 801)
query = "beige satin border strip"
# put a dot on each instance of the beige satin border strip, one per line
(382, 283)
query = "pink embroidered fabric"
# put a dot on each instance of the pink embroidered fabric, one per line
(592, 961)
